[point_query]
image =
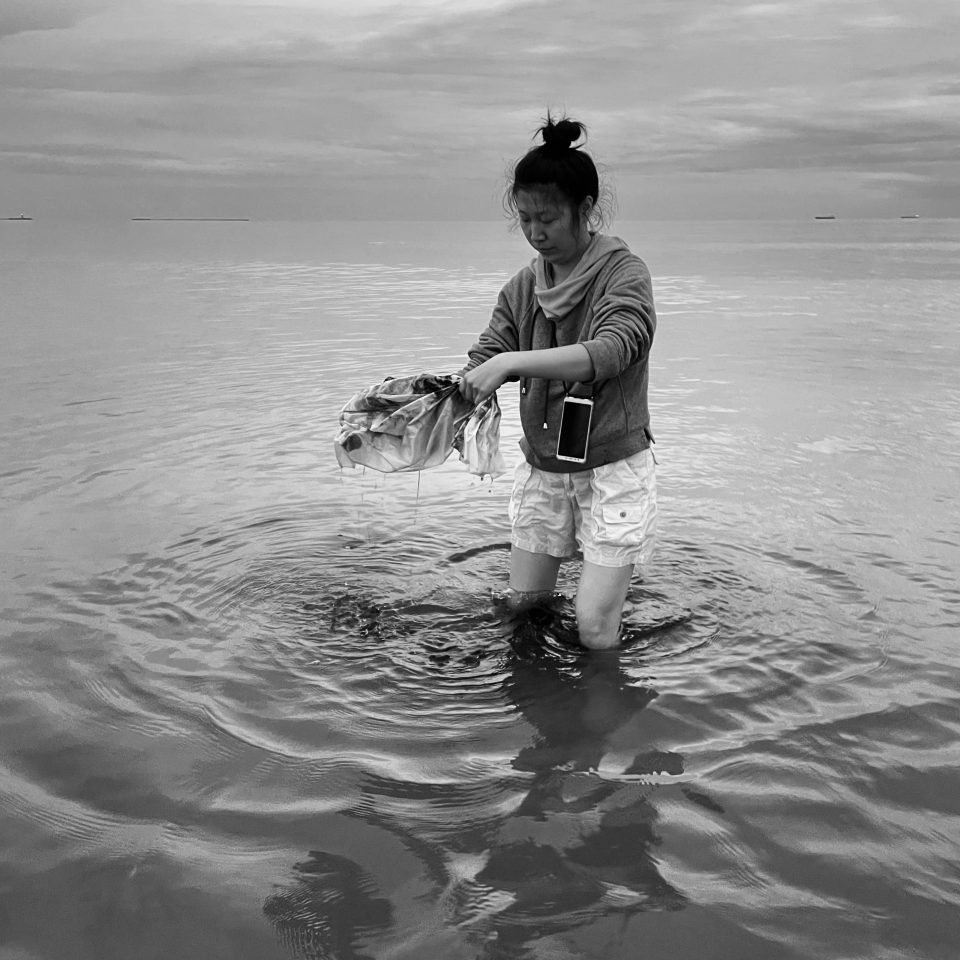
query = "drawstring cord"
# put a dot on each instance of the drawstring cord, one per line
(524, 380)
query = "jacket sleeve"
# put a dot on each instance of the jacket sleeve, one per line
(624, 320)
(502, 333)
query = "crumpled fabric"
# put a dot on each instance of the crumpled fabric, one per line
(413, 423)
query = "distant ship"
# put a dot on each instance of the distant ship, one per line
(910, 216)
(829, 216)
(21, 217)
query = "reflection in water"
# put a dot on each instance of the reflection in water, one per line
(575, 848)
(578, 845)
(218, 654)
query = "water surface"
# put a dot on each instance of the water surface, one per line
(256, 706)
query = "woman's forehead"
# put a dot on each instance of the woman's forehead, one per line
(539, 200)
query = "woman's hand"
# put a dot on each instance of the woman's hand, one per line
(477, 384)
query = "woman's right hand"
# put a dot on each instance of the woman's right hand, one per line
(482, 381)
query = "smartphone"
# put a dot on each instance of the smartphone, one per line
(574, 439)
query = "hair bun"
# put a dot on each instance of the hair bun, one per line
(562, 134)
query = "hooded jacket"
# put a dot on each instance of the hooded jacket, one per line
(607, 305)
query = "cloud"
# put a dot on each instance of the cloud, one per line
(23, 16)
(84, 158)
(432, 91)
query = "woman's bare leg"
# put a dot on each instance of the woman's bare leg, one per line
(533, 577)
(600, 598)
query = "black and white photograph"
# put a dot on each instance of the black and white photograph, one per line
(479, 480)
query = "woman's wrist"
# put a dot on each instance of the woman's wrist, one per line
(508, 364)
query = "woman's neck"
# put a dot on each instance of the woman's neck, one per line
(560, 272)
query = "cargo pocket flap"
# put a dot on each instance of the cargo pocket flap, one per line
(627, 513)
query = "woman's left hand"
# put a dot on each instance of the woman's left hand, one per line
(477, 384)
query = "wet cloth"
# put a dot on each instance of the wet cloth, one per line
(413, 423)
(609, 512)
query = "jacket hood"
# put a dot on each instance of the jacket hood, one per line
(558, 300)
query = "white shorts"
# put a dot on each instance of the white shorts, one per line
(609, 512)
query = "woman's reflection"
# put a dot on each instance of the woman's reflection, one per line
(579, 844)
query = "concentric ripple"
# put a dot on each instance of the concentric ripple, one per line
(256, 706)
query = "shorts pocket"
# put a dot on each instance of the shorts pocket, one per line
(626, 524)
(624, 482)
(626, 514)
(625, 502)
(521, 477)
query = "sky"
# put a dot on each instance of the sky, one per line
(368, 109)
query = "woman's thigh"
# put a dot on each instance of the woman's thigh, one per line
(533, 572)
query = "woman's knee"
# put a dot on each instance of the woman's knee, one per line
(599, 627)
(600, 600)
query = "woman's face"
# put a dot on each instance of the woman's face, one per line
(551, 227)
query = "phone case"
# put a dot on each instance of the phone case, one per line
(573, 440)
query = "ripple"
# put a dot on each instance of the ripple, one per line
(82, 827)
(238, 684)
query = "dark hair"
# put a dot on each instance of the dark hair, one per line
(557, 164)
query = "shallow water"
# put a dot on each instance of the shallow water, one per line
(254, 706)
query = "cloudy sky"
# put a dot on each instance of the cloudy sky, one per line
(277, 109)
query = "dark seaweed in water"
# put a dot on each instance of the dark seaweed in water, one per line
(331, 904)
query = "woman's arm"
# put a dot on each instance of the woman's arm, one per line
(556, 363)
(500, 336)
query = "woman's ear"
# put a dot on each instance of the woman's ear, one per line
(586, 208)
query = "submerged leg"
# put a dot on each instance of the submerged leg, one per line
(600, 598)
(533, 577)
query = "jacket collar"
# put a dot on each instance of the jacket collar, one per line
(558, 300)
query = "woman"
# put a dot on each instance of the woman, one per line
(578, 322)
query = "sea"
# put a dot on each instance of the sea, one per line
(257, 705)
